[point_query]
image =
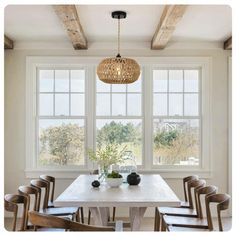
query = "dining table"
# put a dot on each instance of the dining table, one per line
(152, 191)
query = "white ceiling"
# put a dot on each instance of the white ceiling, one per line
(40, 23)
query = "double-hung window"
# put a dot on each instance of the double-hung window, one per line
(176, 117)
(60, 117)
(119, 117)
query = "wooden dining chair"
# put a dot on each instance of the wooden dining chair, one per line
(185, 203)
(179, 211)
(49, 221)
(51, 190)
(11, 203)
(96, 172)
(29, 191)
(181, 223)
(56, 211)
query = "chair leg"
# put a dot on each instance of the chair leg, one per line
(82, 214)
(157, 221)
(114, 214)
(77, 216)
(163, 226)
(89, 217)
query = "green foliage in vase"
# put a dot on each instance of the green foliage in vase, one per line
(107, 156)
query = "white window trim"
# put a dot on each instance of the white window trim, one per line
(205, 63)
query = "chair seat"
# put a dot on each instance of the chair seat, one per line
(186, 229)
(59, 211)
(178, 211)
(185, 221)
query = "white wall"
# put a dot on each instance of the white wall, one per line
(15, 77)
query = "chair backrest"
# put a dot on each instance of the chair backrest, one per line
(42, 184)
(11, 202)
(185, 180)
(194, 184)
(223, 204)
(206, 190)
(50, 179)
(49, 221)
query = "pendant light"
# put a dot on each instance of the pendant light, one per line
(118, 70)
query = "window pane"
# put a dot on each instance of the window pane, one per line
(191, 79)
(45, 104)
(160, 80)
(61, 142)
(118, 87)
(160, 104)
(77, 104)
(61, 104)
(62, 80)
(176, 142)
(175, 104)
(118, 105)
(136, 86)
(103, 104)
(77, 80)
(134, 105)
(123, 133)
(175, 81)
(102, 87)
(46, 80)
(191, 104)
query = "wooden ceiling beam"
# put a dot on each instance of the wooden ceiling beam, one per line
(8, 43)
(69, 18)
(170, 17)
(228, 44)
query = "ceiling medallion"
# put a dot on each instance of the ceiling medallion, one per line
(118, 70)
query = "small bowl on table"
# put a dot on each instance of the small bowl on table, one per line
(114, 179)
(114, 182)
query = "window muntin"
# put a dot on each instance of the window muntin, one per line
(61, 117)
(119, 116)
(177, 118)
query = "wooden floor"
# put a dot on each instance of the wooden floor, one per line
(147, 223)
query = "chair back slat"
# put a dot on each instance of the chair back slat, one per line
(185, 180)
(11, 202)
(194, 184)
(49, 221)
(223, 201)
(42, 184)
(206, 190)
(50, 179)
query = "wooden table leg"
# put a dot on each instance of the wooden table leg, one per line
(136, 216)
(100, 215)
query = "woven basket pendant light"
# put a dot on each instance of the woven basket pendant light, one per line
(118, 70)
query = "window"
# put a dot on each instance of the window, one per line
(119, 116)
(61, 117)
(177, 118)
(164, 118)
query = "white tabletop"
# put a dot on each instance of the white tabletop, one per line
(152, 191)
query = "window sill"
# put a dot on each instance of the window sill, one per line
(72, 174)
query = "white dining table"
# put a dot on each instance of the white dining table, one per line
(152, 191)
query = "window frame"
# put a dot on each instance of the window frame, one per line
(122, 117)
(180, 117)
(148, 63)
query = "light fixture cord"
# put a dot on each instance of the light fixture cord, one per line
(118, 36)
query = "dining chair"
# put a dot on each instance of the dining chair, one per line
(11, 203)
(56, 211)
(29, 192)
(179, 223)
(49, 221)
(179, 211)
(96, 172)
(185, 203)
(51, 190)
